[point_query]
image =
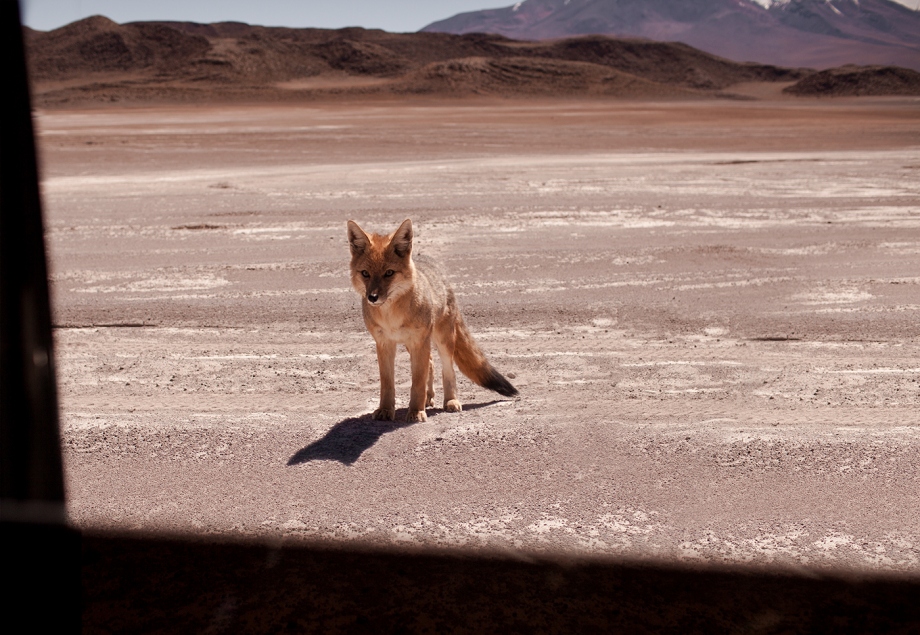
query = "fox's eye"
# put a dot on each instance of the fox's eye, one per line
(365, 274)
(389, 273)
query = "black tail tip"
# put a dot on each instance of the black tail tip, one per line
(500, 385)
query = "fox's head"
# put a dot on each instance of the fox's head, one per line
(381, 266)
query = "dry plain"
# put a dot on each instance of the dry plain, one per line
(711, 309)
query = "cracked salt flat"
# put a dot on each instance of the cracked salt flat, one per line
(160, 284)
(868, 371)
(833, 296)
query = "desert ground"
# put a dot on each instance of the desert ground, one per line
(711, 309)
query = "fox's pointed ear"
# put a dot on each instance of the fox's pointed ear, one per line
(357, 239)
(402, 239)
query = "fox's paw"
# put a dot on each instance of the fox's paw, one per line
(430, 402)
(384, 414)
(416, 416)
(453, 406)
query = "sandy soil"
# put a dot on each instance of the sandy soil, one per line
(712, 311)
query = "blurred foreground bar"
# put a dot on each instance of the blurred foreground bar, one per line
(161, 584)
(41, 555)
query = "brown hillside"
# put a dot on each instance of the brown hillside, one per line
(528, 76)
(664, 62)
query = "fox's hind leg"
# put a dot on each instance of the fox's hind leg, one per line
(446, 353)
(430, 402)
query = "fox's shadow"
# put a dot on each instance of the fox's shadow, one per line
(347, 440)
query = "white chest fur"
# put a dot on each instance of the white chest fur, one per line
(393, 325)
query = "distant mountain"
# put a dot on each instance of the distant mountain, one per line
(798, 33)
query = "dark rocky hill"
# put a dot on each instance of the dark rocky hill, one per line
(858, 81)
(98, 45)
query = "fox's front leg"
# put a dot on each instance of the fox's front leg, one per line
(420, 356)
(386, 361)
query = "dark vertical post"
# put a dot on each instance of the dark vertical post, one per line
(40, 554)
(31, 453)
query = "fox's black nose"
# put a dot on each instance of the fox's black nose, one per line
(372, 297)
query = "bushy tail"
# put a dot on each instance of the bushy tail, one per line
(473, 363)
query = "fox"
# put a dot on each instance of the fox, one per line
(406, 300)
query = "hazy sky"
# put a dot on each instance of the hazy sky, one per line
(391, 15)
